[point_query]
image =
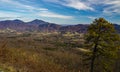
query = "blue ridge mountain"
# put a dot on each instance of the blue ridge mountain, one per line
(43, 26)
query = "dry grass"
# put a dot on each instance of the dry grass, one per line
(41, 53)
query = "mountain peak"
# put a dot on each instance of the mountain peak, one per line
(17, 20)
(37, 21)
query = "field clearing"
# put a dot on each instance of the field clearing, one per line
(39, 52)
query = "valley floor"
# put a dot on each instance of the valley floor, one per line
(42, 52)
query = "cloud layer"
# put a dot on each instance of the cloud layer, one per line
(20, 7)
(65, 11)
(53, 15)
(112, 6)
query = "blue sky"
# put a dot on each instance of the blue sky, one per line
(60, 11)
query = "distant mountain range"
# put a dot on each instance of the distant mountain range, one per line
(39, 25)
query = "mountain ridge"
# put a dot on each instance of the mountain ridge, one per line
(43, 26)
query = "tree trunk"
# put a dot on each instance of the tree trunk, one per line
(93, 58)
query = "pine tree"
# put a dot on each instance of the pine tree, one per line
(103, 42)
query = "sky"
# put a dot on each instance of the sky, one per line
(61, 11)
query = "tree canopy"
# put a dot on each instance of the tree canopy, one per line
(103, 42)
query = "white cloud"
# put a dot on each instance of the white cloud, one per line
(18, 6)
(28, 10)
(8, 14)
(53, 15)
(91, 17)
(53, 1)
(13, 15)
(76, 4)
(109, 6)
(113, 8)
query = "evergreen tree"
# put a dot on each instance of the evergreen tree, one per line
(103, 42)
